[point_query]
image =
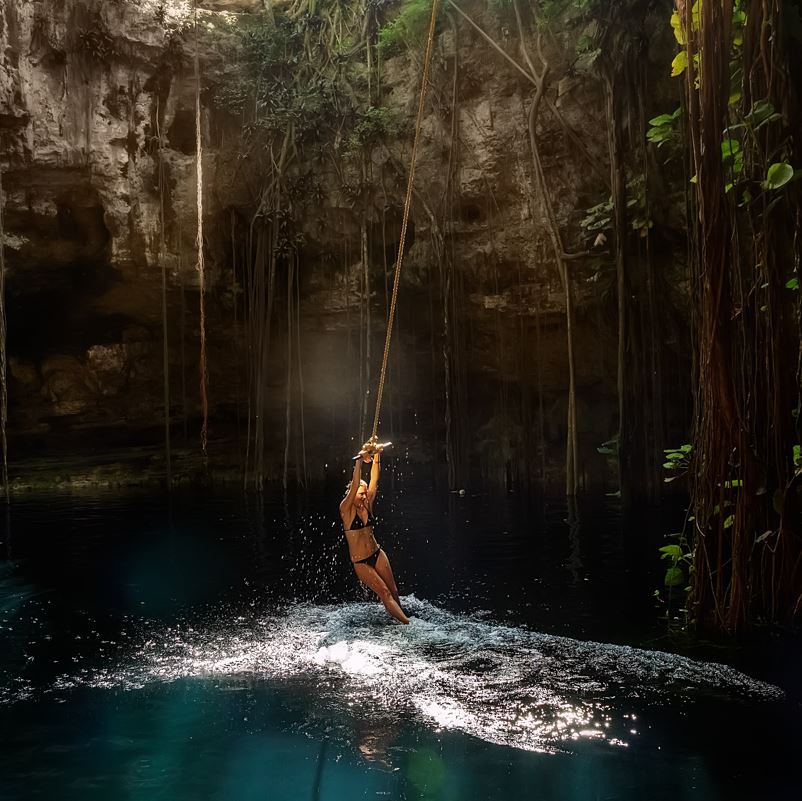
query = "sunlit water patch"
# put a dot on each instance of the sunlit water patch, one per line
(505, 685)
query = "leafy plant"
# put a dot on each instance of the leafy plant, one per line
(680, 561)
(663, 130)
(609, 448)
(778, 175)
(371, 127)
(600, 217)
(678, 573)
(407, 28)
(677, 460)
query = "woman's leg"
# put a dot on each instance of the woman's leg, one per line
(371, 579)
(386, 574)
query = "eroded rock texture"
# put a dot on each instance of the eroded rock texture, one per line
(87, 92)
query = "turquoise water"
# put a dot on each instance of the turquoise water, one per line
(220, 649)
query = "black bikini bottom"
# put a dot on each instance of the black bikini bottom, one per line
(370, 560)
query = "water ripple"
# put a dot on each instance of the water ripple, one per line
(505, 685)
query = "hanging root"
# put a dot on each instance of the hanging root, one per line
(3, 354)
(204, 379)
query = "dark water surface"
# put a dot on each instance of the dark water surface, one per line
(219, 648)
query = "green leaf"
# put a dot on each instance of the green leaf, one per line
(730, 148)
(686, 448)
(674, 577)
(679, 31)
(728, 521)
(679, 64)
(792, 284)
(663, 119)
(797, 455)
(669, 465)
(670, 552)
(760, 112)
(778, 174)
(675, 456)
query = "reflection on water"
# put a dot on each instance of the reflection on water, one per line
(505, 685)
(214, 654)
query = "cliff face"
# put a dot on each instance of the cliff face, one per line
(86, 90)
(89, 90)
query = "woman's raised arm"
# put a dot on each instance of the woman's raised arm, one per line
(355, 479)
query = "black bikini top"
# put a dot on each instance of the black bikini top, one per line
(357, 522)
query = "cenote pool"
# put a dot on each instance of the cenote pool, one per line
(215, 646)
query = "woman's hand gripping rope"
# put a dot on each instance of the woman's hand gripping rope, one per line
(370, 448)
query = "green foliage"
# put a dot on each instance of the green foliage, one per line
(372, 127)
(599, 218)
(285, 92)
(778, 175)
(407, 29)
(664, 129)
(678, 572)
(678, 460)
(609, 448)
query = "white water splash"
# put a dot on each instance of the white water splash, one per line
(505, 685)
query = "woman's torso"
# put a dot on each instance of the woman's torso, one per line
(361, 541)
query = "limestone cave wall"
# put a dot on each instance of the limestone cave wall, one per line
(88, 92)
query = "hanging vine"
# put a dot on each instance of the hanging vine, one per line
(3, 348)
(200, 266)
(302, 111)
(747, 556)
(163, 263)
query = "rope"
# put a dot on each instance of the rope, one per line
(407, 205)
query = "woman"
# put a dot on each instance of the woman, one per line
(356, 510)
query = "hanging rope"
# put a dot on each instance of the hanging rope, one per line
(204, 379)
(407, 205)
